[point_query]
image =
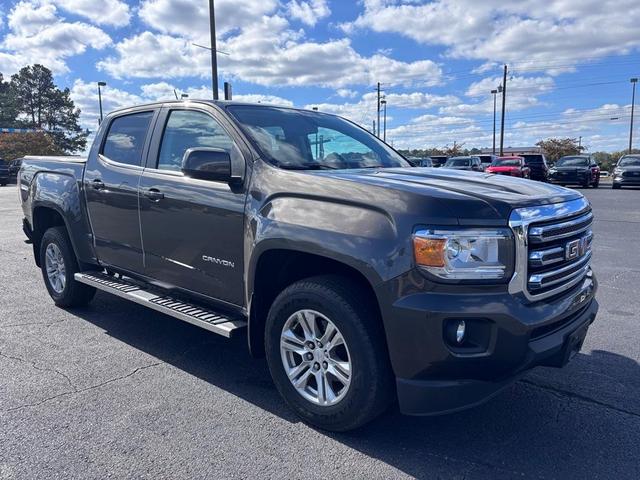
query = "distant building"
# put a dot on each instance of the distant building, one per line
(514, 150)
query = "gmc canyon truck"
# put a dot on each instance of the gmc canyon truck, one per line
(362, 280)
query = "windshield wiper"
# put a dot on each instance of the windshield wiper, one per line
(308, 166)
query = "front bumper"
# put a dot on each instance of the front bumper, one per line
(571, 179)
(433, 378)
(630, 181)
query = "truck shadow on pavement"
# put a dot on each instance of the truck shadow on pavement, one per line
(581, 421)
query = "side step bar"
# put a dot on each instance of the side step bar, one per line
(196, 315)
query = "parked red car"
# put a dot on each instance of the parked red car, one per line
(513, 166)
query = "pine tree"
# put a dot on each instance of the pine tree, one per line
(42, 105)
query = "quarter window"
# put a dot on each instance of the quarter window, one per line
(125, 140)
(190, 129)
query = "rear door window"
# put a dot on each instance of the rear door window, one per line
(125, 139)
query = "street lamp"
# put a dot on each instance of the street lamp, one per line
(100, 84)
(383, 102)
(494, 92)
(633, 102)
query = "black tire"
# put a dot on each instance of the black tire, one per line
(372, 384)
(615, 186)
(74, 293)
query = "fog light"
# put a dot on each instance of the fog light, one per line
(460, 332)
(455, 332)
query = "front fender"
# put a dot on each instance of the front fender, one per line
(360, 236)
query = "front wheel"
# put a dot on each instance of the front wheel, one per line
(59, 264)
(327, 354)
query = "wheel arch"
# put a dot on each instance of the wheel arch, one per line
(277, 268)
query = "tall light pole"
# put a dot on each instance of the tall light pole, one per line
(633, 103)
(494, 92)
(100, 84)
(378, 134)
(214, 58)
(383, 102)
(504, 103)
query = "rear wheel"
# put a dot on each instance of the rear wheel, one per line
(596, 183)
(327, 355)
(59, 264)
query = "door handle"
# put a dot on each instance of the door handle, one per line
(97, 184)
(154, 194)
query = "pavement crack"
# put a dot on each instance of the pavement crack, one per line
(82, 390)
(41, 369)
(46, 325)
(573, 395)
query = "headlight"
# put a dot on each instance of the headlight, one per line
(552, 171)
(479, 254)
(617, 171)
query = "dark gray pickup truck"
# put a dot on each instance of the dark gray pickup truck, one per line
(363, 281)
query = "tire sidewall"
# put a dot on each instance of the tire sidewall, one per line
(57, 237)
(360, 356)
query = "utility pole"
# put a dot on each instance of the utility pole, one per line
(100, 84)
(494, 92)
(374, 131)
(228, 94)
(374, 127)
(384, 129)
(633, 104)
(580, 143)
(214, 59)
(504, 103)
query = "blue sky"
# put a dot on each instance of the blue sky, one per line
(570, 60)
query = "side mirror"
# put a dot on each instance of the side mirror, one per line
(207, 164)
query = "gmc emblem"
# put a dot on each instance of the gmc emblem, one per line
(576, 248)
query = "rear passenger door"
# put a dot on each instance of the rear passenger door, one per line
(111, 189)
(192, 229)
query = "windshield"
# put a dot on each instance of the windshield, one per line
(458, 162)
(533, 159)
(629, 162)
(296, 139)
(572, 162)
(506, 162)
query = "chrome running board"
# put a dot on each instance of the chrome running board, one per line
(196, 315)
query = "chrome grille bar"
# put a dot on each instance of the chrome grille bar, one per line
(553, 245)
(557, 231)
(564, 274)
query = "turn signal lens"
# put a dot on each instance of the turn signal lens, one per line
(429, 252)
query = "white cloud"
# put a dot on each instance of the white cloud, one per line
(268, 53)
(190, 19)
(150, 55)
(364, 111)
(265, 51)
(534, 33)
(106, 12)
(308, 12)
(38, 35)
(346, 93)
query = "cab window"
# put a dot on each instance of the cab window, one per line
(125, 139)
(191, 129)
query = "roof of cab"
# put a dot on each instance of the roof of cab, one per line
(191, 101)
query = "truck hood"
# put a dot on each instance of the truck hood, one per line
(502, 169)
(469, 196)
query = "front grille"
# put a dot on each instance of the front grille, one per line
(559, 253)
(631, 174)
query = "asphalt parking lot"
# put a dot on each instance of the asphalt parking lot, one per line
(114, 390)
